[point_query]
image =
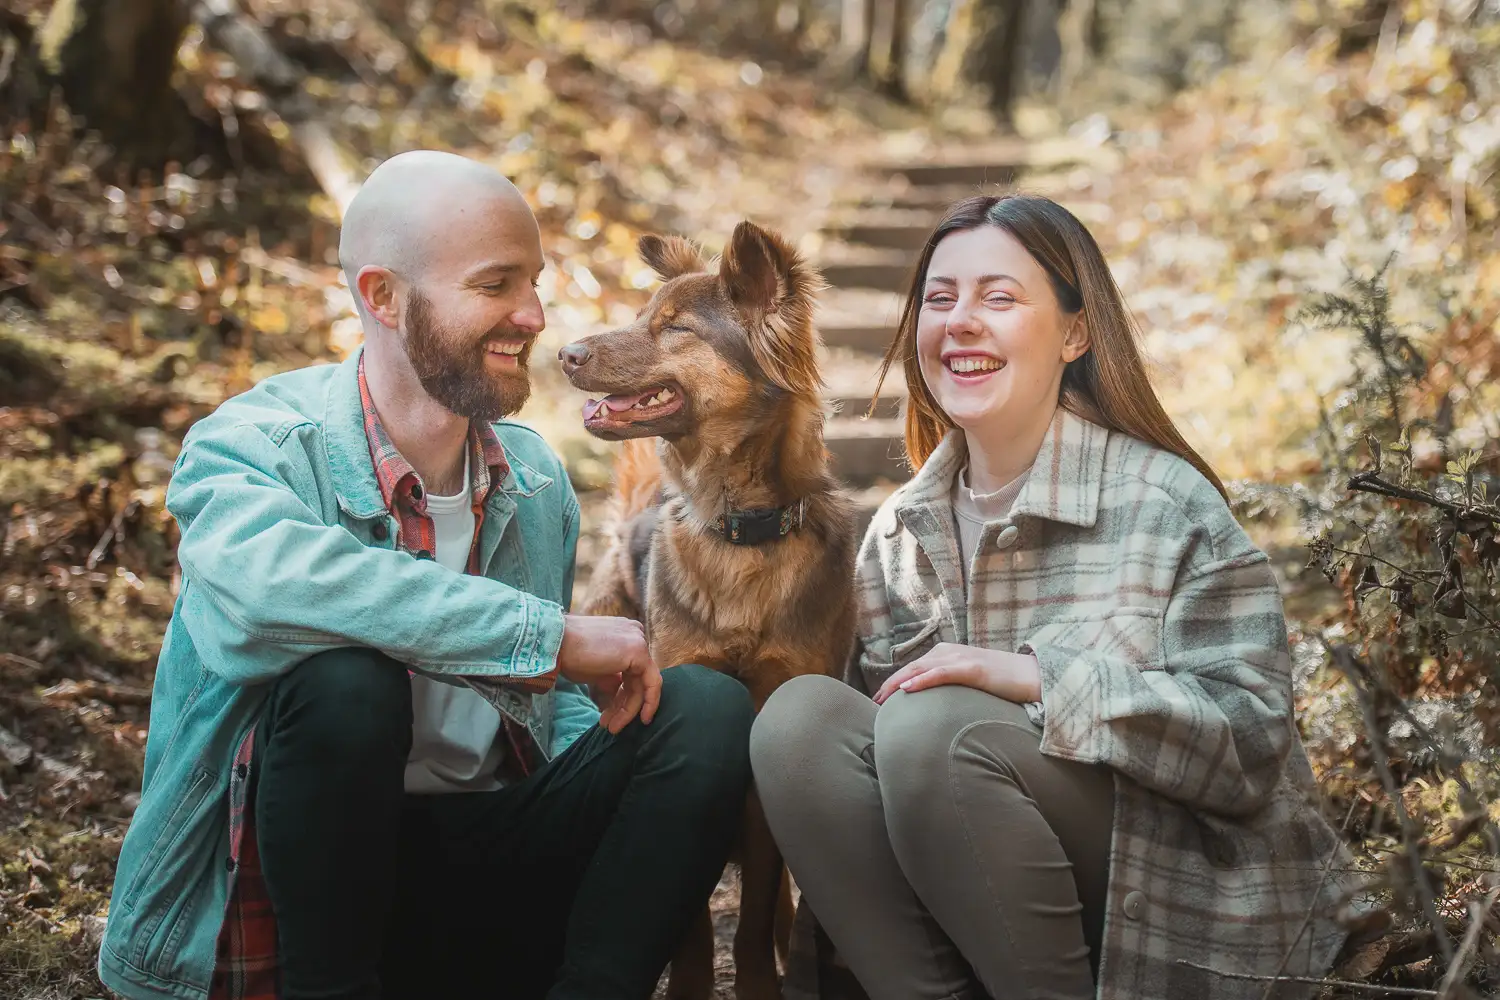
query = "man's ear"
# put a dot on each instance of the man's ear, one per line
(670, 256)
(376, 288)
(1076, 342)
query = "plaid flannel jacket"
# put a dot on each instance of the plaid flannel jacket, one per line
(1159, 629)
(246, 967)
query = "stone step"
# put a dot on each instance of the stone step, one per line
(891, 229)
(857, 318)
(851, 377)
(848, 266)
(866, 452)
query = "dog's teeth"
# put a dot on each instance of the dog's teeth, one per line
(664, 395)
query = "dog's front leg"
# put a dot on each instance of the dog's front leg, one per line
(755, 975)
(692, 975)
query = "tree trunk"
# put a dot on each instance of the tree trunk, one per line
(854, 34)
(890, 24)
(994, 65)
(114, 60)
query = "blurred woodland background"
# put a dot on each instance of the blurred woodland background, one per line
(1300, 199)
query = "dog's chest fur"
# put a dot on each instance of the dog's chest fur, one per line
(743, 609)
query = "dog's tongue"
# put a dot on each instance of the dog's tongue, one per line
(614, 404)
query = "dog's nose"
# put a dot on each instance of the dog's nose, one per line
(573, 356)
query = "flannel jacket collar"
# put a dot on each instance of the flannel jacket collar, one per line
(1063, 486)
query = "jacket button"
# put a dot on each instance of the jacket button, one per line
(422, 554)
(1007, 537)
(416, 491)
(229, 864)
(380, 532)
(1135, 904)
(242, 769)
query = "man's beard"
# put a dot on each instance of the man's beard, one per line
(454, 372)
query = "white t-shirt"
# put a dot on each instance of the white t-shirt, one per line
(454, 745)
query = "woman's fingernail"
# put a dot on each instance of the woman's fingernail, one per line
(905, 685)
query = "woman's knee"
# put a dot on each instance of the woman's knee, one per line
(919, 736)
(798, 724)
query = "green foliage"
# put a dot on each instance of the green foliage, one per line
(1402, 521)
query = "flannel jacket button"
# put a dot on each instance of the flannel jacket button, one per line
(422, 554)
(229, 864)
(241, 770)
(380, 532)
(1135, 904)
(416, 491)
(1007, 537)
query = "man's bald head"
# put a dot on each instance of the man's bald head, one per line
(442, 254)
(414, 204)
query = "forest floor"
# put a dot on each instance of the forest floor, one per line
(129, 310)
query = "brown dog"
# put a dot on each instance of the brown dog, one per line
(731, 539)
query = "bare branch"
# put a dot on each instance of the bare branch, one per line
(1349, 665)
(1477, 913)
(1371, 482)
(1393, 991)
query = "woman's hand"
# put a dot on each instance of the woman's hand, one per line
(1013, 676)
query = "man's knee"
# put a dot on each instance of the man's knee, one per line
(709, 715)
(353, 703)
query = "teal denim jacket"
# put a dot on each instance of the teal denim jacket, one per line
(278, 505)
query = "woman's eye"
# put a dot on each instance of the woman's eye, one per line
(940, 299)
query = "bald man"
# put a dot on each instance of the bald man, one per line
(375, 767)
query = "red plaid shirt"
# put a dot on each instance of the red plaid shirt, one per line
(246, 968)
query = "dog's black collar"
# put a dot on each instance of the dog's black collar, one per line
(758, 525)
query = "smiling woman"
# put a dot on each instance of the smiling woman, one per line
(1063, 762)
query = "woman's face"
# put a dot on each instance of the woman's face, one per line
(992, 340)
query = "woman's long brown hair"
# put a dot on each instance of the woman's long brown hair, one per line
(1107, 385)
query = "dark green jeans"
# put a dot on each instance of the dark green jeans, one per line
(577, 882)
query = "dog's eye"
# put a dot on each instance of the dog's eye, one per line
(676, 328)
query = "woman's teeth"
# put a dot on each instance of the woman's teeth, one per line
(974, 364)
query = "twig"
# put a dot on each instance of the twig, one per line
(1350, 666)
(20, 754)
(1370, 482)
(1312, 910)
(1419, 573)
(1477, 913)
(20, 662)
(1398, 991)
(118, 694)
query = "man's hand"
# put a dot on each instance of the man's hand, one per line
(1012, 676)
(597, 649)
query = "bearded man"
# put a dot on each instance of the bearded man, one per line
(375, 768)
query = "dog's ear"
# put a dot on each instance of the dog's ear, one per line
(670, 256)
(776, 291)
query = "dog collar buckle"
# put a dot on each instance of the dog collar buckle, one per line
(758, 525)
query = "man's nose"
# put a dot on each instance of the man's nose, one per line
(574, 356)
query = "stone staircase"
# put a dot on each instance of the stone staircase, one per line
(867, 249)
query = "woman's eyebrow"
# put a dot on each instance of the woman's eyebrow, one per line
(984, 279)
